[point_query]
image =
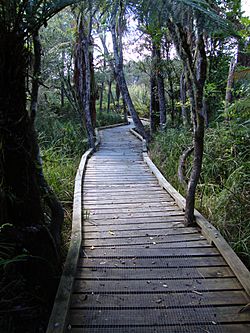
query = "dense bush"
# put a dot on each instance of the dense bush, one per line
(108, 118)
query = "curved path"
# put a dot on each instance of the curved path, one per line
(140, 269)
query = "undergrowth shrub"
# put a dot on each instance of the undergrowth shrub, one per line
(108, 118)
(223, 194)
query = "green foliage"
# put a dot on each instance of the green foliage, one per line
(166, 149)
(223, 192)
(141, 99)
(108, 118)
(63, 141)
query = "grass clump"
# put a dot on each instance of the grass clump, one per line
(108, 118)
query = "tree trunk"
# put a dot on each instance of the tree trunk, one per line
(101, 97)
(182, 168)
(198, 142)
(230, 79)
(125, 111)
(93, 90)
(117, 95)
(109, 95)
(36, 75)
(20, 194)
(199, 79)
(62, 79)
(171, 92)
(120, 77)
(82, 78)
(183, 97)
(161, 89)
(57, 213)
(154, 104)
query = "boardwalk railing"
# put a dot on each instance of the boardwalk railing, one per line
(207, 229)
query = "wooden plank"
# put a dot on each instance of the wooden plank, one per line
(88, 273)
(134, 211)
(165, 317)
(128, 206)
(128, 195)
(152, 263)
(154, 234)
(182, 244)
(156, 286)
(226, 297)
(139, 174)
(126, 202)
(143, 240)
(122, 253)
(87, 228)
(109, 189)
(143, 219)
(223, 328)
(117, 180)
(167, 212)
(121, 186)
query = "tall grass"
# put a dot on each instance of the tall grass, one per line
(223, 194)
(108, 118)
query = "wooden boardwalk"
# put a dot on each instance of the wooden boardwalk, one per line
(140, 270)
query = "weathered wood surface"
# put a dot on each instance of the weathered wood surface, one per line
(140, 270)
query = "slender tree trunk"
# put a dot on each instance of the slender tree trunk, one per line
(62, 79)
(125, 111)
(120, 77)
(117, 95)
(183, 97)
(161, 89)
(171, 91)
(101, 97)
(230, 79)
(87, 101)
(109, 95)
(198, 142)
(154, 104)
(199, 78)
(93, 92)
(36, 75)
(82, 78)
